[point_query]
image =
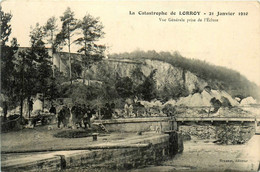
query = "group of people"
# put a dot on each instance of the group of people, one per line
(80, 114)
(63, 116)
(128, 109)
(107, 111)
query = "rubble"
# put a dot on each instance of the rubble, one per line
(234, 134)
(199, 131)
(248, 101)
(223, 134)
(203, 99)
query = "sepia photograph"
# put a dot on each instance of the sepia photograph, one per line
(138, 86)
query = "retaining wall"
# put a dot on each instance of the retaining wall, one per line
(127, 158)
(137, 124)
(124, 154)
(144, 151)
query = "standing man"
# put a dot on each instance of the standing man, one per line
(5, 109)
(126, 108)
(66, 115)
(88, 115)
(52, 112)
(130, 110)
(52, 109)
(30, 103)
(63, 116)
(107, 112)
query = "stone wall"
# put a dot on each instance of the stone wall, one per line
(33, 163)
(147, 151)
(136, 151)
(122, 159)
(230, 133)
(158, 124)
(199, 131)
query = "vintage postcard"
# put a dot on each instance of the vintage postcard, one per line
(130, 85)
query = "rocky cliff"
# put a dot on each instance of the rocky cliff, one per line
(166, 76)
(172, 74)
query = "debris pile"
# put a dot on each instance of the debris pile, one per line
(233, 112)
(203, 99)
(224, 134)
(234, 134)
(199, 131)
(248, 101)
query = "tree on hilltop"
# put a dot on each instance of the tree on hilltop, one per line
(50, 29)
(69, 25)
(91, 31)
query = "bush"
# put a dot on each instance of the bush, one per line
(124, 87)
(80, 93)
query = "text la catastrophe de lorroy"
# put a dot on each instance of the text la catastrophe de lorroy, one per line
(185, 13)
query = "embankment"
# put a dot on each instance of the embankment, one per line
(150, 146)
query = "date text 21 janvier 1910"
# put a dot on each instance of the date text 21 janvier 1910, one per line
(188, 13)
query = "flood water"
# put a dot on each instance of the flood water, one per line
(204, 155)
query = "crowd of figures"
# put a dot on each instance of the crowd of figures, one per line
(80, 114)
(69, 114)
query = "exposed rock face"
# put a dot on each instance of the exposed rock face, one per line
(193, 82)
(166, 75)
(114, 67)
(169, 78)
